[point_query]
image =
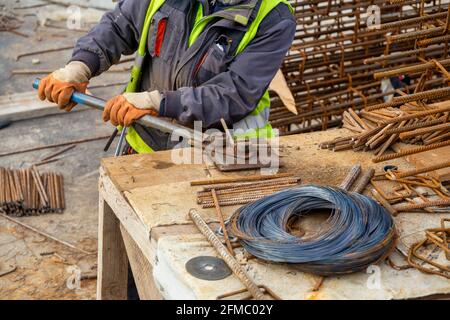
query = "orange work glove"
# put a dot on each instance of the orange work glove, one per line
(59, 86)
(127, 108)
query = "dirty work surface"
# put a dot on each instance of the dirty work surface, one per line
(164, 213)
(42, 265)
(141, 184)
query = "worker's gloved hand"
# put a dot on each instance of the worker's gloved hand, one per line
(59, 86)
(125, 109)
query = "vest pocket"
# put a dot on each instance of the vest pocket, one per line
(212, 63)
(161, 37)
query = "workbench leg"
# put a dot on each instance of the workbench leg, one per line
(141, 268)
(112, 258)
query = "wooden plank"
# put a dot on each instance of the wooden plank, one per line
(112, 274)
(430, 158)
(165, 231)
(145, 170)
(141, 268)
(26, 105)
(123, 211)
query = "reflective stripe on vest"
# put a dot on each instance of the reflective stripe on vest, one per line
(257, 120)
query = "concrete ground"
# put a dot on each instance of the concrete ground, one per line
(45, 269)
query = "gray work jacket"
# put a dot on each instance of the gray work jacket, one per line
(205, 81)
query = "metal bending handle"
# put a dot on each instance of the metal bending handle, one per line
(146, 121)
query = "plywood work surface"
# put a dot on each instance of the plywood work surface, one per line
(160, 194)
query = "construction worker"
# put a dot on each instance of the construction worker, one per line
(195, 60)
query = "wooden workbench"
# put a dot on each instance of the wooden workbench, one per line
(143, 219)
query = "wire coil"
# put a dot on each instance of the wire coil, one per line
(359, 232)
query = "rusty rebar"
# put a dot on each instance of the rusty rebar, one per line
(407, 22)
(422, 205)
(411, 127)
(351, 177)
(28, 192)
(419, 132)
(240, 179)
(252, 184)
(364, 181)
(235, 267)
(427, 42)
(416, 115)
(416, 172)
(433, 94)
(222, 222)
(411, 151)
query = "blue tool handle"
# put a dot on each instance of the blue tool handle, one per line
(81, 98)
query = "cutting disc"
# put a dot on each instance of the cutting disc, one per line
(208, 268)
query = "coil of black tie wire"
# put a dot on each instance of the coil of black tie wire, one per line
(359, 232)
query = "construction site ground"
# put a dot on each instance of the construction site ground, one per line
(42, 266)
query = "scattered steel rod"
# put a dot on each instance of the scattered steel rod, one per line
(364, 181)
(49, 236)
(222, 222)
(32, 53)
(411, 151)
(57, 153)
(235, 267)
(415, 172)
(241, 179)
(53, 145)
(351, 177)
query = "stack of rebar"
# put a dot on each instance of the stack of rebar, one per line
(380, 129)
(28, 192)
(336, 57)
(242, 190)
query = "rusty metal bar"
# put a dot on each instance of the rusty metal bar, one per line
(235, 267)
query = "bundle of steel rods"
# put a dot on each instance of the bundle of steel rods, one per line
(358, 233)
(243, 190)
(380, 129)
(335, 57)
(28, 192)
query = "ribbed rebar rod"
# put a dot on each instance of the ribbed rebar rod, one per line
(234, 201)
(241, 179)
(401, 54)
(251, 185)
(421, 131)
(411, 151)
(415, 172)
(403, 23)
(364, 181)
(415, 34)
(422, 205)
(415, 115)
(414, 126)
(427, 42)
(409, 69)
(228, 258)
(351, 177)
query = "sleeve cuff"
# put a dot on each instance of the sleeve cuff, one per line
(172, 107)
(162, 107)
(88, 58)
